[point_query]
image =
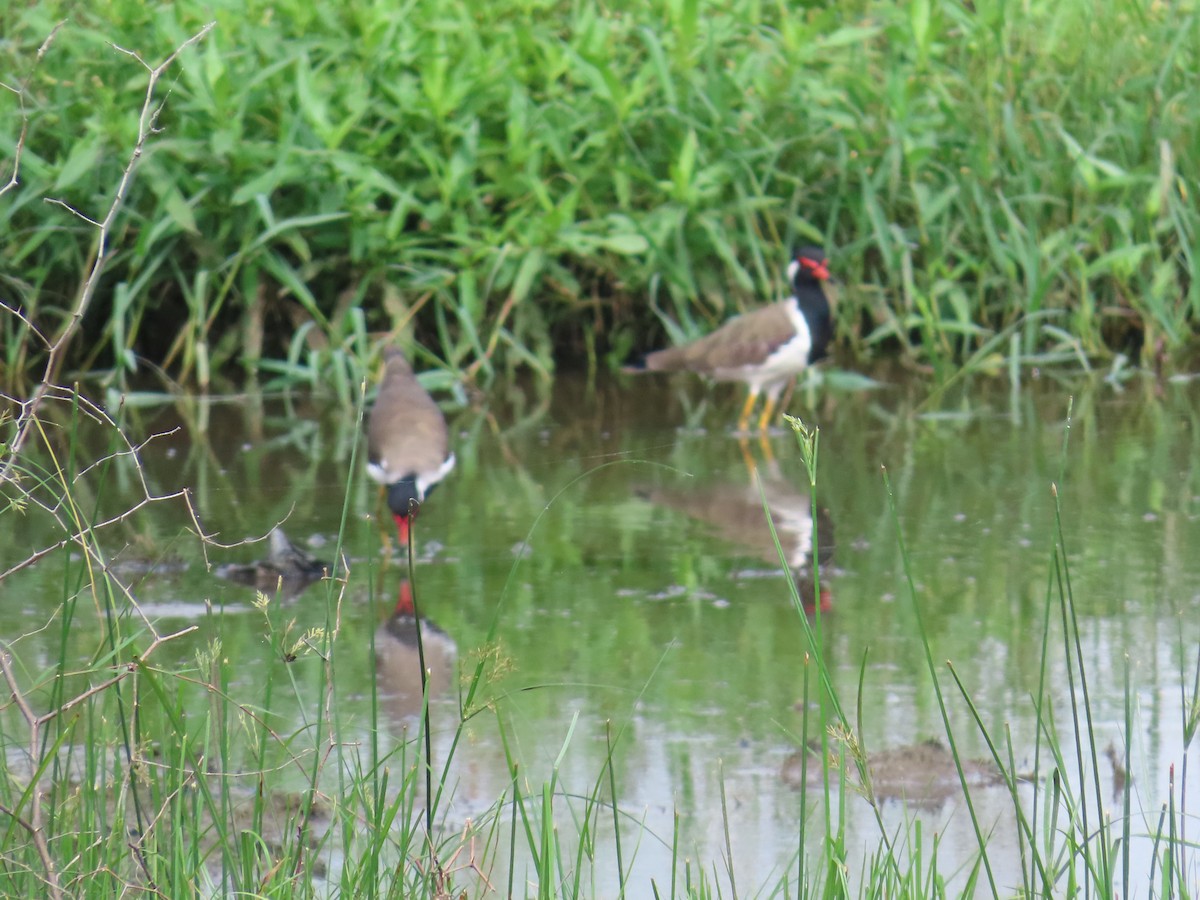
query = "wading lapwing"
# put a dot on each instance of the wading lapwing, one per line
(765, 348)
(408, 444)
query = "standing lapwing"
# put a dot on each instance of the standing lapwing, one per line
(407, 441)
(764, 348)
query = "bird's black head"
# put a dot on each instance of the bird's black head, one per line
(808, 272)
(808, 267)
(403, 498)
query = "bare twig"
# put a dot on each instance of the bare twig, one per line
(35, 722)
(81, 532)
(147, 126)
(79, 536)
(77, 531)
(116, 679)
(21, 90)
(53, 201)
(34, 825)
(62, 508)
(27, 322)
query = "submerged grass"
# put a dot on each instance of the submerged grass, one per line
(121, 773)
(125, 773)
(1075, 852)
(528, 182)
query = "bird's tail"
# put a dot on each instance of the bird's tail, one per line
(667, 360)
(635, 364)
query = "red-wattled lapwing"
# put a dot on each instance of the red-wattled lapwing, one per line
(766, 347)
(407, 441)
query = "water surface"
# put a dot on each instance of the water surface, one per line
(603, 549)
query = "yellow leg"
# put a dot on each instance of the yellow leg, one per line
(747, 456)
(768, 410)
(747, 408)
(764, 441)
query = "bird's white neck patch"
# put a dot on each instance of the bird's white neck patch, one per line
(803, 332)
(791, 356)
(426, 480)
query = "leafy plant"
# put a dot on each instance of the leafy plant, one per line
(518, 188)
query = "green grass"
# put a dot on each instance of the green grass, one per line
(530, 183)
(517, 184)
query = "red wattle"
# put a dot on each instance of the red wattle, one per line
(404, 599)
(826, 600)
(402, 526)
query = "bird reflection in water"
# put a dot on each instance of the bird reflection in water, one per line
(398, 659)
(287, 569)
(923, 775)
(733, 511)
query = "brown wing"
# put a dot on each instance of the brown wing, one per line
(407, 433)
(744, 340)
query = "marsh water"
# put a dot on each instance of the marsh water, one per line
(602, 549)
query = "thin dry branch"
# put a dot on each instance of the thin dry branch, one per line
(34, 825)
(21, 91)
(99, 415)
(76, 530)
(35, 722)
(63, 508)
(29, 325)
(54, 201)
(79, 536)
(147, 126)
(79, 530)
(128, 667)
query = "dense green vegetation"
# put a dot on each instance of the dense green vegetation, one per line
(524, 185)
(524, 182)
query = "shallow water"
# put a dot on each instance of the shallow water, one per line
(613, 538)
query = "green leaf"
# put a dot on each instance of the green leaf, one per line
(80, 162)
(847, 36)
(684, 167)
(624, 244)
(180, 211)
(842, 380)
(1121, 262)
(531, 268)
